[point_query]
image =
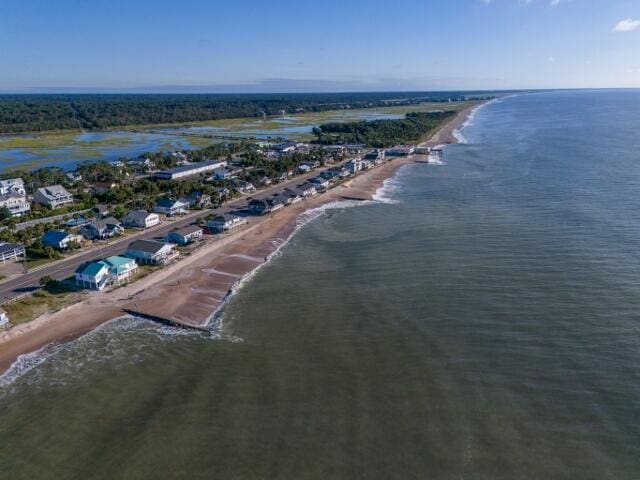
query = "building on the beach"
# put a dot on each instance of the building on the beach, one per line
(102, 228)
(422, 150)
(152, 252)
(4, 318)
(140, 219)
(190, 170)
(320, 183)
(292, 196)
(11, 252)
(259, 207)
(184, 235)
(17, 205)
(170, 207)
(354, 165)
(225, 222)
(307, 190)
(60, 240)
(121, 269)
(276, 203)
(54, 196)
(376, 156)
(92, 275)
(13, 186)
(401, 150)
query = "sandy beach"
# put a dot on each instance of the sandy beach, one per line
(199, 283)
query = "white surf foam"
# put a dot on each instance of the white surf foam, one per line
(457, 133)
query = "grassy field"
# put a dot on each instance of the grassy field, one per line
(40, 303)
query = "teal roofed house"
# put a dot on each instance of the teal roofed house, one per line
(93, 275)
(121, 269)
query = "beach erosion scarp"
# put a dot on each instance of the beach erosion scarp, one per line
(190, 292)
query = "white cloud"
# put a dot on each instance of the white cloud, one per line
(626, 25)
(551, 59)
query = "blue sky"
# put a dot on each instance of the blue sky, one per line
(282, 45)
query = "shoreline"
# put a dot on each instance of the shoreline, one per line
(238, 254)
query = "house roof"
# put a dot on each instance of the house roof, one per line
(105, 223)
(9, 247)
(117, 263)
(138, 215)
(169, 203)
(92, 268)
(188, 230)
(54, 191)
(149, 246)
(54, 236)
(226, 217)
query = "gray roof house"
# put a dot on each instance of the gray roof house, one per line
(184, 235)
(10, 252)
(171, 207)
(225, 222)
(54, 196)
(152, 251)
(60, 240)
(102, 228)
(140, 219)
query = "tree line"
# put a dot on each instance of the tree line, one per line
(31, 113)
(382, 133)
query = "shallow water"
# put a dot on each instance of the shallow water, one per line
(481, 322)
(67, 150)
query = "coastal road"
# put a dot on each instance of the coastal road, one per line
(65, 268)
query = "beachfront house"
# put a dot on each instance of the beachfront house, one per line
(140, 219)
(152, 252)
(292, 196)
(102, 228)
(353, 166)
(276, 203)
(376, 156)
(92, 275)
(11, 252)
(307, 190)
(4, 318)
(320, 183)
(225, 222)
(121, 269)
(53, 197)
(259, 207)
(184, 235)
(12, 186)
(401, 150)
(16, 204)
(170, 207)
(60, 240)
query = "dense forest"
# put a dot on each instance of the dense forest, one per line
(31, 113)
(382, 133)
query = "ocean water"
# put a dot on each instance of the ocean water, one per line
(480, 320)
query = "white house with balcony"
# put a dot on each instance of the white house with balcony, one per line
(54, 196)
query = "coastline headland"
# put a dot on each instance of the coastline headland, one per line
(191, 291)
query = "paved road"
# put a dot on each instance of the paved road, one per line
(65, 268)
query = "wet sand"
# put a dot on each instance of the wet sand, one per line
(192, 289)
